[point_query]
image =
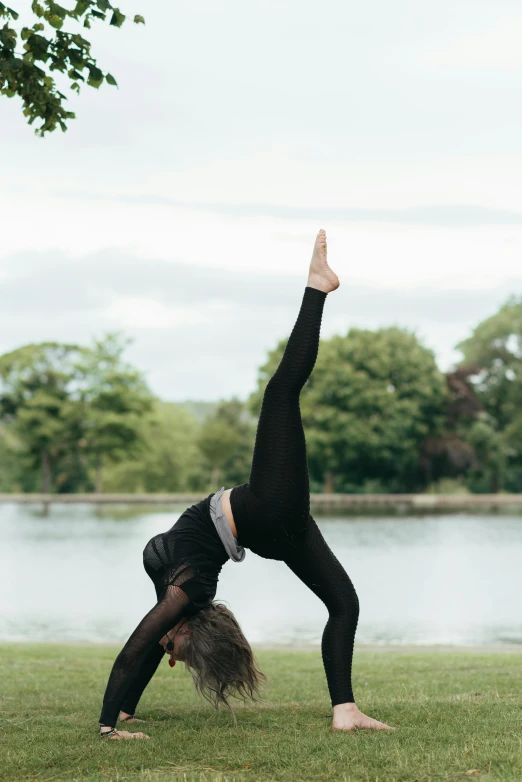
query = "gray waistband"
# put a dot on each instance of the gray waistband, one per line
(233, 549)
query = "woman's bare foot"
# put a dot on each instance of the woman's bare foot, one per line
(348, 717)
(320, 275)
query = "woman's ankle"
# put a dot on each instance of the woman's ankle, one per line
(345, 708)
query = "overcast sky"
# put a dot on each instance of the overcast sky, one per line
(181, 208)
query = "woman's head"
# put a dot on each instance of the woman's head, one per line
(219, 656)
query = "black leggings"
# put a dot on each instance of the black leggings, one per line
(272, 512)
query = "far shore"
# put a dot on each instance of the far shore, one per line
(325, 502)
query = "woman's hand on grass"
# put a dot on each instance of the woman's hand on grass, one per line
(125, 734)
(120, 735)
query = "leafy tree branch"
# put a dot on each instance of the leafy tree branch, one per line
(47, 47)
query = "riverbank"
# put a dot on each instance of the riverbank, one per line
(456, 714)
(321, 502)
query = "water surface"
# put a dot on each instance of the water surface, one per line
(454, 579)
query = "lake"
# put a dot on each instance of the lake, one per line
(76, 574)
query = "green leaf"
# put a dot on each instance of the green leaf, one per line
(95, 76)
(139, 19)
(111, 80)
(80, 41)
(55, 21)
(8, 38)
(74, 74)
(38, 9)
(117, 18)
(81, 7)
(94, 72)
(58, 10)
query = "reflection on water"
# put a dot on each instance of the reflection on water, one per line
(452, 579)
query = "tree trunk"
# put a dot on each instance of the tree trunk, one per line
(99, 475)
(214, 477)
(496, 480)
(328, 482)
(46, 471)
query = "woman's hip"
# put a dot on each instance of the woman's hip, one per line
(268, 521)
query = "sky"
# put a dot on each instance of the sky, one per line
(181, 208)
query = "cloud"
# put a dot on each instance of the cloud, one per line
(442, 215)
(50, 281)
(155, 293)
(202, 332)
(496, 46)
(144, 312)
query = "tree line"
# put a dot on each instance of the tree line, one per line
(378, 413)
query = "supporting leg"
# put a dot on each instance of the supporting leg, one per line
(317, 567)
(315, 564)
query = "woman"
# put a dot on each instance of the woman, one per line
(270, 515)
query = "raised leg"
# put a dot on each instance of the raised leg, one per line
(279, 475)
(279, 467)
(279, 461)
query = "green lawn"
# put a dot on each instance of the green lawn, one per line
(458, 716)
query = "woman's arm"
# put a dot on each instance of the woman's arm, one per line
(145, 638)
(145, 674)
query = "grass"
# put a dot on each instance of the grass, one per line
(458, 716)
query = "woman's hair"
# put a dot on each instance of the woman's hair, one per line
(219, 656)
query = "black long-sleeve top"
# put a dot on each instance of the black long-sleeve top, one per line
(184, 564)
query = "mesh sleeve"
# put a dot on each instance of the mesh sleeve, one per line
(145, 674)
(160, 619)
